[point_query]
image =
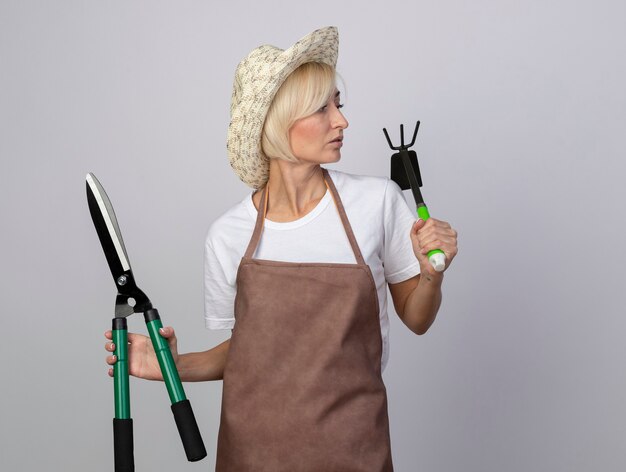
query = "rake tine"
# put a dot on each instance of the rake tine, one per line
(387, 137)
(417, 127)
(389, 140)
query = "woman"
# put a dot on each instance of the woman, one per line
(302, 266)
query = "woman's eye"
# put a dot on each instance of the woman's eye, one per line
(325, 107)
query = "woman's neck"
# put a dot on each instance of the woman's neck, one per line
(294, 190)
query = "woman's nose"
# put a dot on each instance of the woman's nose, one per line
(339, 120)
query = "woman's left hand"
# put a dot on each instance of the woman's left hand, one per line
(433, 234)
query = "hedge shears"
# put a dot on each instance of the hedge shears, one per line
(131, 299)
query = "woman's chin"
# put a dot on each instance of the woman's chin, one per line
(335, 158)
(324, 159)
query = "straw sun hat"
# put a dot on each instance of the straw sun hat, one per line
(257, 79)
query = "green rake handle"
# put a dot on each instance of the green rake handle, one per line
(436, 257)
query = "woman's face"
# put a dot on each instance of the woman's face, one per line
(318, 138)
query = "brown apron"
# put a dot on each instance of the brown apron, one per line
(302, 383)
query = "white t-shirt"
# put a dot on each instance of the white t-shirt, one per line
(381, 221)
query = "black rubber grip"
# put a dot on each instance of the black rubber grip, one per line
(188, 430)
(123, 445)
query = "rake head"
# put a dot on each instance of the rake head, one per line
(405, 169)
(402, 145)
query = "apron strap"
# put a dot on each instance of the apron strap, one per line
(344, 217)
(258, 228)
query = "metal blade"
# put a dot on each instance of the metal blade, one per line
(130, 299)
(108, 230)
(405, 172)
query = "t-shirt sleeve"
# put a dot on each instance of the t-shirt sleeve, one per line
(219, 293)
(399, 260)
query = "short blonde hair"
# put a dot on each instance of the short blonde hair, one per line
(306, 90)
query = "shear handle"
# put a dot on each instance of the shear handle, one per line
(122, 423)
(181, 408)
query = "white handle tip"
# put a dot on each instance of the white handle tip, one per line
(438, 261)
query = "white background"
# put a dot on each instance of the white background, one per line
(521, 148)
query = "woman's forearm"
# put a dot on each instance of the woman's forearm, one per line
(201, 366)
(423, 303)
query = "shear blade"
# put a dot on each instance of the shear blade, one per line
(108, 230)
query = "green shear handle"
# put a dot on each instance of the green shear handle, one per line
(181, 408)
(122, 422)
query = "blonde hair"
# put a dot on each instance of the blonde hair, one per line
(306, 90)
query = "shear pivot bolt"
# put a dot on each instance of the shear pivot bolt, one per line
(122, 279)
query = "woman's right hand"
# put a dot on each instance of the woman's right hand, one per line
(142, 360)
